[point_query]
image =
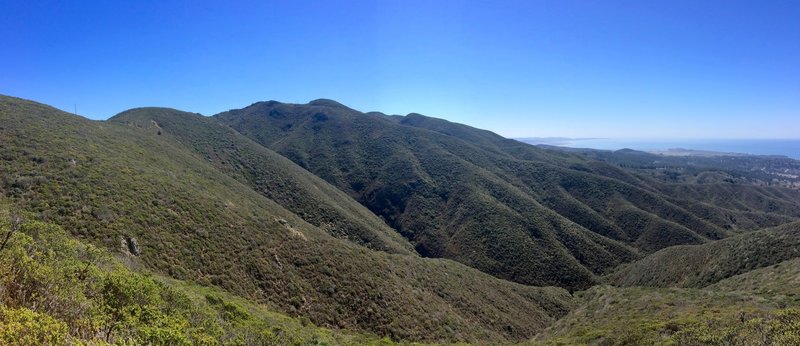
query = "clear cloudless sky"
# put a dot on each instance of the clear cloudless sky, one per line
(619, 69)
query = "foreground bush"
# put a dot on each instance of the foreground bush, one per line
(55, 290)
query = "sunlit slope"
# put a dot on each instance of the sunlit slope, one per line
(780, 282)
(111, 184)
(607, 315)
(270, 174)
(706, 264)
(750, 303)
(55, 290)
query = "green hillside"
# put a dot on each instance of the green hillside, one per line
(270, 174)
(172, 211)
(702, 265)
(754, 307)
(309, 224)
(57, 291)
(674, 316)
(779, 282)
(507, 208)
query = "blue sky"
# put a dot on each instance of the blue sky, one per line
(620, 69)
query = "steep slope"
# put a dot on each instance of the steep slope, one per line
(702, 265)
(58, 291)
(510, 209)
(270, 174)
(134, 191)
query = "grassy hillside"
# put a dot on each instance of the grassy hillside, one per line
(757, 307)
(780, 283)
(174, 212)
(702, 265)
(507, 208)
(742, 290)
(236, 236)
(56, 291)
(270, 174)
(672, 316)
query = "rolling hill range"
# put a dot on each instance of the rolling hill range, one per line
(518, 212)
(169, 209)
(319, 224)
(681, 165)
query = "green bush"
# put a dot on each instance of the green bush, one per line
(55, 290)
(24, 327)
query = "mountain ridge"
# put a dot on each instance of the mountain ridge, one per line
(263, 170)
(322, 212)
(106, 182)
(413, 171)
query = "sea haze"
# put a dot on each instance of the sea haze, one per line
(785, 147)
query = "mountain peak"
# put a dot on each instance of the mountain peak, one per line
(327, 103)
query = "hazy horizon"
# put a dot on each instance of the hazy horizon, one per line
(789, 147)
(663, 69)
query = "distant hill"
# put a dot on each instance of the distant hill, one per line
(159, 201)
(507, 208)
(703, 167)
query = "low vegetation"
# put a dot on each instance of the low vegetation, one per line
(161, 227)
(157, 201)
(702, 265)
(663, 316)
(521, 213)
(55, 290)
(270, 174)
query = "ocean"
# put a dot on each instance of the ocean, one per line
(785, 147)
